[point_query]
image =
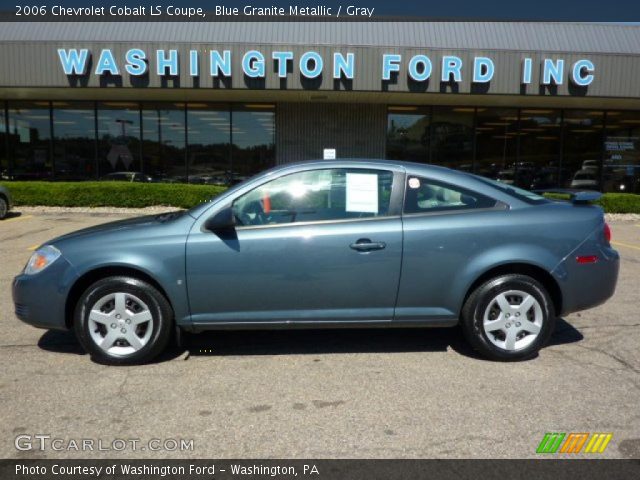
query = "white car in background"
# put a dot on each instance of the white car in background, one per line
(590, 165)
(585, 178)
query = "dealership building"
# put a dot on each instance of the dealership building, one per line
(540, 105)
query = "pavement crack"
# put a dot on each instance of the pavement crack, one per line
(614, 357)
(121, 393)
(608, 325)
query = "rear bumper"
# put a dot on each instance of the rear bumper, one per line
(587, 285)
(40, 299)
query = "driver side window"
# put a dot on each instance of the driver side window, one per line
(316, 195)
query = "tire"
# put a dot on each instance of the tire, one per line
(4, 208)
(518, 331)
(131, 319)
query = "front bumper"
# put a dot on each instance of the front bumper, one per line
(40, 299)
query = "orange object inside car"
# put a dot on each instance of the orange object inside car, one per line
(266, 203)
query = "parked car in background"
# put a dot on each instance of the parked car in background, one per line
(127, 177)
(327, 244)
(585, 178)
(6, 202)
(508, 177)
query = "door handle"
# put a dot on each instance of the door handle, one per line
(366, 245)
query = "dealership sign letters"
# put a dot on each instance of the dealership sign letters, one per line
(312, 65)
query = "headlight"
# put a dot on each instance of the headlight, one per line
(41, 259)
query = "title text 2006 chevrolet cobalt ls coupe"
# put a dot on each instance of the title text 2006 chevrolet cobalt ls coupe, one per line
(329, 243)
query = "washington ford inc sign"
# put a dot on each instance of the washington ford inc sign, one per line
(218, 63)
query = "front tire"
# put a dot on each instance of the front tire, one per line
(510, 317)
(123, 321)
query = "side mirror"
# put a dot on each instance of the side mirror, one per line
(222, 221)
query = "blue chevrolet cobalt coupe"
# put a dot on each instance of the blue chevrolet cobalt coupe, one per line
(359, 243)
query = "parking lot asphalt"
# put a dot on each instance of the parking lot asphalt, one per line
(320, 394)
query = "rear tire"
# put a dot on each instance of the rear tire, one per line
(508, 318)
(123, 321)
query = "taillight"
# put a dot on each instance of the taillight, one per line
(586, 259)
(607, 232)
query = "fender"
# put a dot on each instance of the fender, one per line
(516, 253)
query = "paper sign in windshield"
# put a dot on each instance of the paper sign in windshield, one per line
(362, 192)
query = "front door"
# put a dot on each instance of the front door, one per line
(322, 245)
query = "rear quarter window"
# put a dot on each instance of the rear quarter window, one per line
(424, 196)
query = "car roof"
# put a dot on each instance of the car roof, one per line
(365, 162)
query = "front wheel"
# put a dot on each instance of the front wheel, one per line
(510, 317)
(123, 321)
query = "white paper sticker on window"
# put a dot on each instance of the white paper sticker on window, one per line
(414, 183)
(362, 192)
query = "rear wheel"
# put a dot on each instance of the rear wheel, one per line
(123, 321)
(509, 317)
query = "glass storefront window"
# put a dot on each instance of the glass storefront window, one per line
(408, 133)
(4, 150)
(253, 140)
(74, 141)
(30, 140)
(496, 143)
(622, 152)
(118, 138)
(163, 136)
(582, 149)
(538, 164)
(209, 137)
(452, 137)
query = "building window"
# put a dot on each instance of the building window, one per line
(496, 142)
(30, 140)
(4, 151)
(74, 141)
(253, 140)
(118, 137)
(408, 133)
(622, 152)
(164, 141)
(540, 148)
(452, 137)
(582, 154)
(209, 137)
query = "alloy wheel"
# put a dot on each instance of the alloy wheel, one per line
(120, 323)
(512, 320)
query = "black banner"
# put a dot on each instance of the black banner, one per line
(314, 10)
(319, 469)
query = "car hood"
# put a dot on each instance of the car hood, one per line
(125, 227)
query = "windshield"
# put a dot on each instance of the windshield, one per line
(519, 193)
